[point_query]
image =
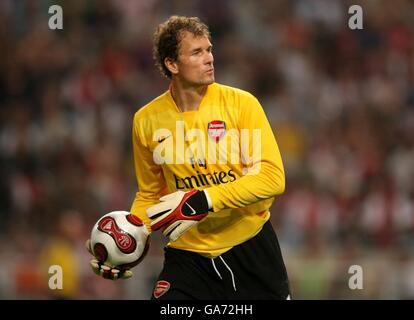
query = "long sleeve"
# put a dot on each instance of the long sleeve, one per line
(150, 179)
(266, 177)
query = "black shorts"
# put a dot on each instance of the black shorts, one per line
(251, 270)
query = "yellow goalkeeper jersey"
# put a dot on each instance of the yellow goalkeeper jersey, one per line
(226, 146)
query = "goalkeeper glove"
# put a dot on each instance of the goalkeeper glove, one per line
(178, 211)
(105, 271)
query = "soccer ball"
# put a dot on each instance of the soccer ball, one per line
(119, 240)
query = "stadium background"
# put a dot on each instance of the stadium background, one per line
(341, 103)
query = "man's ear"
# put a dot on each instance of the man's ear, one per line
(171, 65)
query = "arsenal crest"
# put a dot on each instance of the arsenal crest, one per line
(161, 287)
(216, 130)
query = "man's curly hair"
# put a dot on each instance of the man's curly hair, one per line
(167, 38)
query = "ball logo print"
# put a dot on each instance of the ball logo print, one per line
(106, 225)
(125, 242)
(119, 240)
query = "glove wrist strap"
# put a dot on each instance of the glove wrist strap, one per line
(199, 202)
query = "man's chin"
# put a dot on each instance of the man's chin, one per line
(205, 81)
(208, 81)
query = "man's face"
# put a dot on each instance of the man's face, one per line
(195, 60)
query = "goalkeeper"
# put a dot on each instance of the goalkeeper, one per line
(208, 169)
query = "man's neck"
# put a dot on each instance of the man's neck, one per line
(187, 98)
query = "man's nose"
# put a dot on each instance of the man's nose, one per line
(209, 58)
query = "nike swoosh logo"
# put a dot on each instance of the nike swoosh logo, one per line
(163, 138)
(193, 212)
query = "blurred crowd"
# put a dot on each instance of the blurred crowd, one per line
(340, 101)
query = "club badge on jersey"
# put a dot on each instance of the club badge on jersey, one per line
(161, 288)
(216, 130)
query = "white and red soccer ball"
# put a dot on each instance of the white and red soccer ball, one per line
(120, 240)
